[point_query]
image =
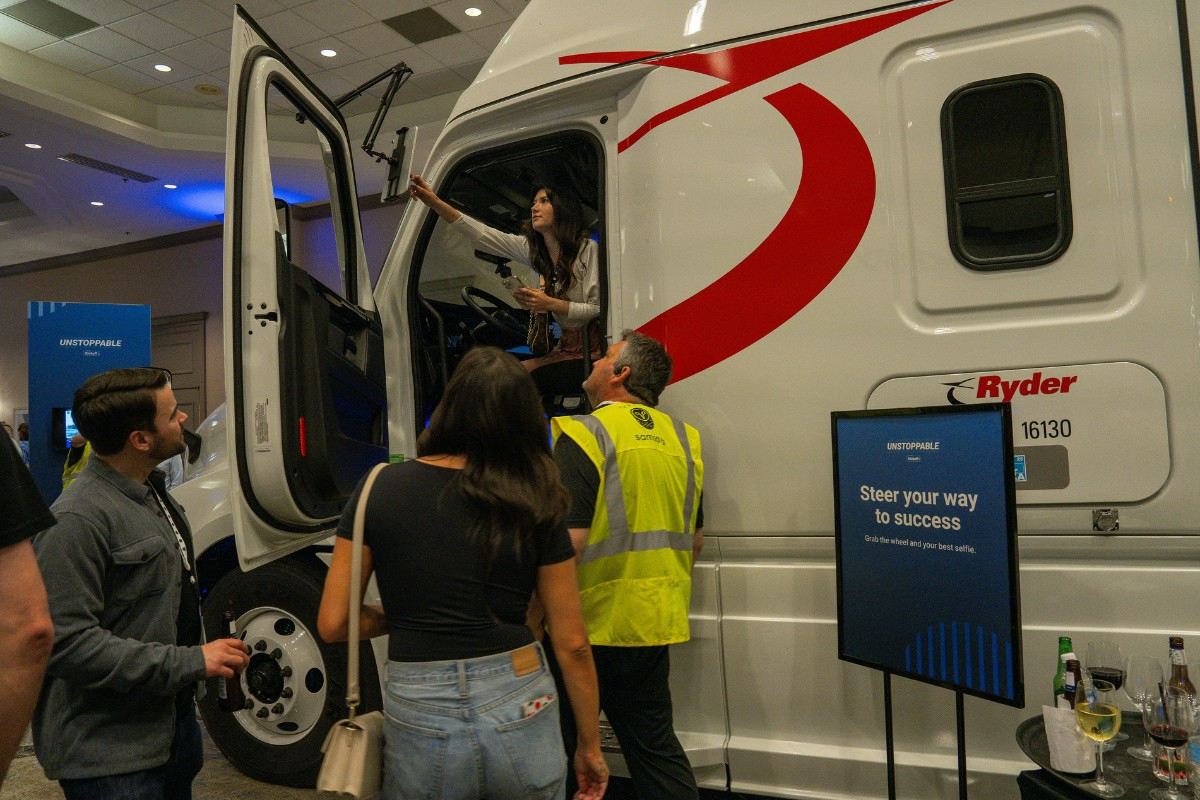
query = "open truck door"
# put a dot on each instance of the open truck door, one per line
(306, 407)
(304, 360)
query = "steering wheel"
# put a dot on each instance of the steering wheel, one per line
(499, 317)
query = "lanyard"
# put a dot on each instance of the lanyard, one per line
(187, 567)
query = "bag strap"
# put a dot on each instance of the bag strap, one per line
(360, 519)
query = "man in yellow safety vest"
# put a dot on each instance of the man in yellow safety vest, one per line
(635, 476)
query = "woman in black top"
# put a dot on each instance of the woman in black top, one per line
(458, 540)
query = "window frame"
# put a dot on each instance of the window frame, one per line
(957, 197)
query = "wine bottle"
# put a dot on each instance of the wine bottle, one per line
(230, 696)
(1064, 647)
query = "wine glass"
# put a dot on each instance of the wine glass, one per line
(1105, 663)
(1143, 674)
(1099, 718)
(1169, 718)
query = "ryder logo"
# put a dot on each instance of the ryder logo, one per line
(994, 387)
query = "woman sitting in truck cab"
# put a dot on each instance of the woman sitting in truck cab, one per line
(556, 244)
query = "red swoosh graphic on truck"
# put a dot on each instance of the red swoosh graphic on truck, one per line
(820, 229)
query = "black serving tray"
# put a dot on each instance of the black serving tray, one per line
(1131, 774)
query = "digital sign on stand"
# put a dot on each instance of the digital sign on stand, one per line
(926, 543)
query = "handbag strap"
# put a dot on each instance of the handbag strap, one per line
(360, 518)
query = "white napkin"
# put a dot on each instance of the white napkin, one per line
(1070, 750)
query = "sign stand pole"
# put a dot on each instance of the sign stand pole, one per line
(891, 743)
(962, 745)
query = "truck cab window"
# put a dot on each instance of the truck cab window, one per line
(463, 289)
(1008, 202)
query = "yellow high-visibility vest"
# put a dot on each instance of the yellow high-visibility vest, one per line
(73, 471)
(635, 577)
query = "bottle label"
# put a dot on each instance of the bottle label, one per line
(1177, 657)
(222, 692)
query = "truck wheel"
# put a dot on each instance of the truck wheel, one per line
(295, 685)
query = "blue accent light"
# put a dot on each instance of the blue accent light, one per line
(207, 201)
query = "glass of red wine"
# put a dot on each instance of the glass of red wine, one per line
(1105, 663)
(1169, 718)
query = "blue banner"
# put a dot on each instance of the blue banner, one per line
(927, 548)
(68, 343)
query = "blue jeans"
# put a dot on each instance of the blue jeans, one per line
(171, 781)
(469, 729)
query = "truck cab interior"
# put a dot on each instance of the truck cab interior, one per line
(458, 295)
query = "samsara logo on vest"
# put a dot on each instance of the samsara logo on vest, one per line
(643, 418)
(995, 387)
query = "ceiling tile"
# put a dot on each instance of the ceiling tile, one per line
(151, 31)
(173, 96)
(345, 53)
(334, 16)
(179, 70)
(513, 7)
(359, 73)
(417, 60)
(101, 11)
(455, 50)
(288, 29)
(199, 54)
(470, 71)
(149, 4)
(222, 75)
(332, 85)
(189, 86)
(455, 11)
(125, 78)
(365, 105)
(385, 9)
(196, 18)
(490, 36)
(73, 57)
(440, 82)
(24, 37)
(375, 39)
(110, 44)
(220, 39)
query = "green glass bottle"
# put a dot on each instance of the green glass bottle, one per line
(1064, 647)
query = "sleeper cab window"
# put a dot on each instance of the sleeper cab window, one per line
(1004, 147)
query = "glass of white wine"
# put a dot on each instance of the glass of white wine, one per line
(1099, 718)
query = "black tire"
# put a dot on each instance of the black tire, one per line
(293, 585)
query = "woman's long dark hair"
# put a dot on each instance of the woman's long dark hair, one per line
(570, 230)
(492, 415)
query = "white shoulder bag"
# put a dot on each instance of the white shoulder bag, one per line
(353, 761)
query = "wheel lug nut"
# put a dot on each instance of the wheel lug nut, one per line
(263, 713)
(277, 708)
(260, 645)
(249, 704)
(287, 672)
(276, 654)
(286, 693)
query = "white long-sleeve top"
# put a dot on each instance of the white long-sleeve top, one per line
(584, 294)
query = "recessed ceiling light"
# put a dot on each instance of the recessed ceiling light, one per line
(33, 146)
(97, 203)
(328, 53)
(162, 67)
(472, 12)
(169, 186)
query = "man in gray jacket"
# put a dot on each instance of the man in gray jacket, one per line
(116, 718)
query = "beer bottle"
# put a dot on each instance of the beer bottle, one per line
(1073, 681)
(1179, 670)
(230, 696)
(1064, 647)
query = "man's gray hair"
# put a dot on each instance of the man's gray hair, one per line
(649, 366)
